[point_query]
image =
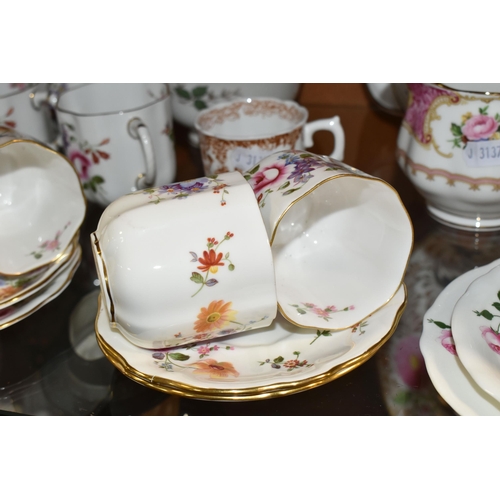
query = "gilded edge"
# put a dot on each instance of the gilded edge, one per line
(81, 191)
(105, 272)
(324, 181)
(248, 394)
(48, 299)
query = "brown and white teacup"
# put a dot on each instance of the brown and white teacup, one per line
(237, 135)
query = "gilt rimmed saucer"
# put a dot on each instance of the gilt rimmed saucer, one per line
(445, 368)
(279, 360)
(49, 292)
(476, 329)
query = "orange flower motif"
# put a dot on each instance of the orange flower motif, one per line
(210, 261)
(214, 369)
(214, 317)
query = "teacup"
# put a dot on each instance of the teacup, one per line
(238, 134)
(341, 239)
(449, 147)
(185, 262)
(119, 137)
(18, 112)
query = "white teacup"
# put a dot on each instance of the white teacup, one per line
(449, 147)
(238, 134)
(341, 239)
(186, 262)
(19, 112)
(118, 136)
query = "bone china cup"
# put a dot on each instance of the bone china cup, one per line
(186, 262)
(42, 206)
(449, 147)
(340, 238)
(238, 134)
(118, 136)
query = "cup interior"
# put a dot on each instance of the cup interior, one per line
(110, 98)
(251, 119)
(340, 252)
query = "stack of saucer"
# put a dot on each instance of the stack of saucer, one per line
(261, 285)
(42, 208)
(460, 342)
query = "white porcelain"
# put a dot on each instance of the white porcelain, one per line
(239, 134)
(188, 99)
(16, 288)
(340, 238)
(42, 205)
(266, 363)
(446, 370)
(449, 147)
(475, 324)
(119, 137)
(18, 112)
(392, 97)
(17, 312)
(186, 262)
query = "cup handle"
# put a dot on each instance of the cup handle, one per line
(334, 126)
(138, 130)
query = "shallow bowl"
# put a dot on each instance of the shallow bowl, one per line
(42, 206)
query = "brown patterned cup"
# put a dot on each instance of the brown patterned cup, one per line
(237, 135)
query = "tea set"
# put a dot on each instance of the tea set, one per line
(277, 271)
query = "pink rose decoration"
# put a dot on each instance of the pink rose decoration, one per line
(479, 127)
(492, 339)
(81, 163)
(447, 342)
(271, 175)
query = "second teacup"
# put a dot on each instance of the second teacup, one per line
(238, 134)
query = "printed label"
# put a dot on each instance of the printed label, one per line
(482, 153)
(244, 159)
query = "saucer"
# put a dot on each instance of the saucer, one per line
(447, 373)
(475, 324)
(23, 309)
(279, 360)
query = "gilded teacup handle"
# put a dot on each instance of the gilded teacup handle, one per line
(334, 126)
(138, 130)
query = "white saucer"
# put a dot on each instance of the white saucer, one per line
(445, 369)
(275, 361)
(475, 324)
(15, 313)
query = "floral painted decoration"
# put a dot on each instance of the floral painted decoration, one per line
(182, 190)
(308, 307)
(5, 121)
(290, 173)
(49, 245)
(291, 364)
(490, 334)
(480, 127)
(210, 262)
(200, 97)
(84, 156)
(446, 337)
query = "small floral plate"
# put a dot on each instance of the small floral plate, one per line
(437, 343)
(269, 362)
(15, 313)
(476, 330)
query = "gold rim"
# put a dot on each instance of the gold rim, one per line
(64, 259)
(98, 255)
(464, 91)
(321, 183)
(48, 299)
(244, 394)
(36, 143)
